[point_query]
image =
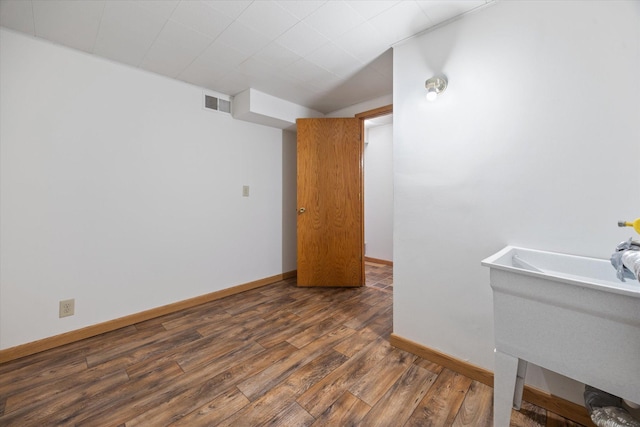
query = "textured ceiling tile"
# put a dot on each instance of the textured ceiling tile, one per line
(442, 10)
(268, 18)
(301, 95)
(127, 31)
(17, 15)
(277, 55)
(369, 78)
(325, 82)
(199, 42)
(305, 71)
(384, 63)
(401, 21)
(301, 9)
(255, 67)
(231, 8)
(161, 8)
(221, 53)
(333, 19)
(215, 62)
(243, 38)
(200, 17)
(302, 39)
(174, 49)
(233, 83)
(364, 42)
(71, 23)
(336, 60)
(203, 76)
(277, 85)
(370, 8)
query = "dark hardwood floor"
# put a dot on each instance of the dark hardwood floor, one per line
(379, 276)
(278, 355)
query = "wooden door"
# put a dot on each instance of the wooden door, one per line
(330, 204)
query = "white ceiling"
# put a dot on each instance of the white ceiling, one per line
(321, 54)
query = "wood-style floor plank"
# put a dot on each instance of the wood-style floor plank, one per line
(429, 365)
(477, 408)
(440, 405)
(263, 409)
(24, 378)
(212, 413)
(261, 383)
(356, 342)
(56, 389)
(325, 392)
(399, 402)
(528, 416)
(198, 387)
(272, 356)
(555, 420)
(292, 415)
(347, 410)
(40, 410)
(382, 376)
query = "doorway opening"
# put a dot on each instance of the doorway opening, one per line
(377, 132)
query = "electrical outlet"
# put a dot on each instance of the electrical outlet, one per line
(245, 191)
(67, 307)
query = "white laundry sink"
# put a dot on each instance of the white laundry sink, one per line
(566, 313)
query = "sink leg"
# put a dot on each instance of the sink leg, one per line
(505, 394)
(517, 393)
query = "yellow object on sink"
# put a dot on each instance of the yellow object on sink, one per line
(635, 224)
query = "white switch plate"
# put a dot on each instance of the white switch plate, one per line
(245, 191)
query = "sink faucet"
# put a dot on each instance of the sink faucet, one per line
(635, 224)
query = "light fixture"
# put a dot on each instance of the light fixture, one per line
(435, 86)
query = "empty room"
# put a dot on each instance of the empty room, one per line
(329, 213)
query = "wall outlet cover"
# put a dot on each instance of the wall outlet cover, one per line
(67, 308)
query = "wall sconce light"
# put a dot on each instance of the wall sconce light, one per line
(435, 86)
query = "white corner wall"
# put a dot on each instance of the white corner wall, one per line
(119, 190)
(378, 192)
(536, 143)
(289, 201)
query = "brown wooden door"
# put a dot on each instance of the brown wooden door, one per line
(330, 206)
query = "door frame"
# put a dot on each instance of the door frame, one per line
(370, 114)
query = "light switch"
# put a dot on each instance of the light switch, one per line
(245, 191)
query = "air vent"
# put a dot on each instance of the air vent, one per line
(217, 104)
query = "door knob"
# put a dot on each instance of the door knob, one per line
(302, 210)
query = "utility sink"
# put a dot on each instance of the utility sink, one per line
(566, 313)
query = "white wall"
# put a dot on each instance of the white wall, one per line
(378, 192)
(119, 190)
(535, 143)
(289, 201)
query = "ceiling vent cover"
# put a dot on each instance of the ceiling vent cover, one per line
(217, 104)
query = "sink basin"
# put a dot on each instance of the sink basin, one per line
(567, 313)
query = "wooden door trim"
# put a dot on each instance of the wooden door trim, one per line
(370, 114)
(376, 112)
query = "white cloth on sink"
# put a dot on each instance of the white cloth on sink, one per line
(631, 260)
